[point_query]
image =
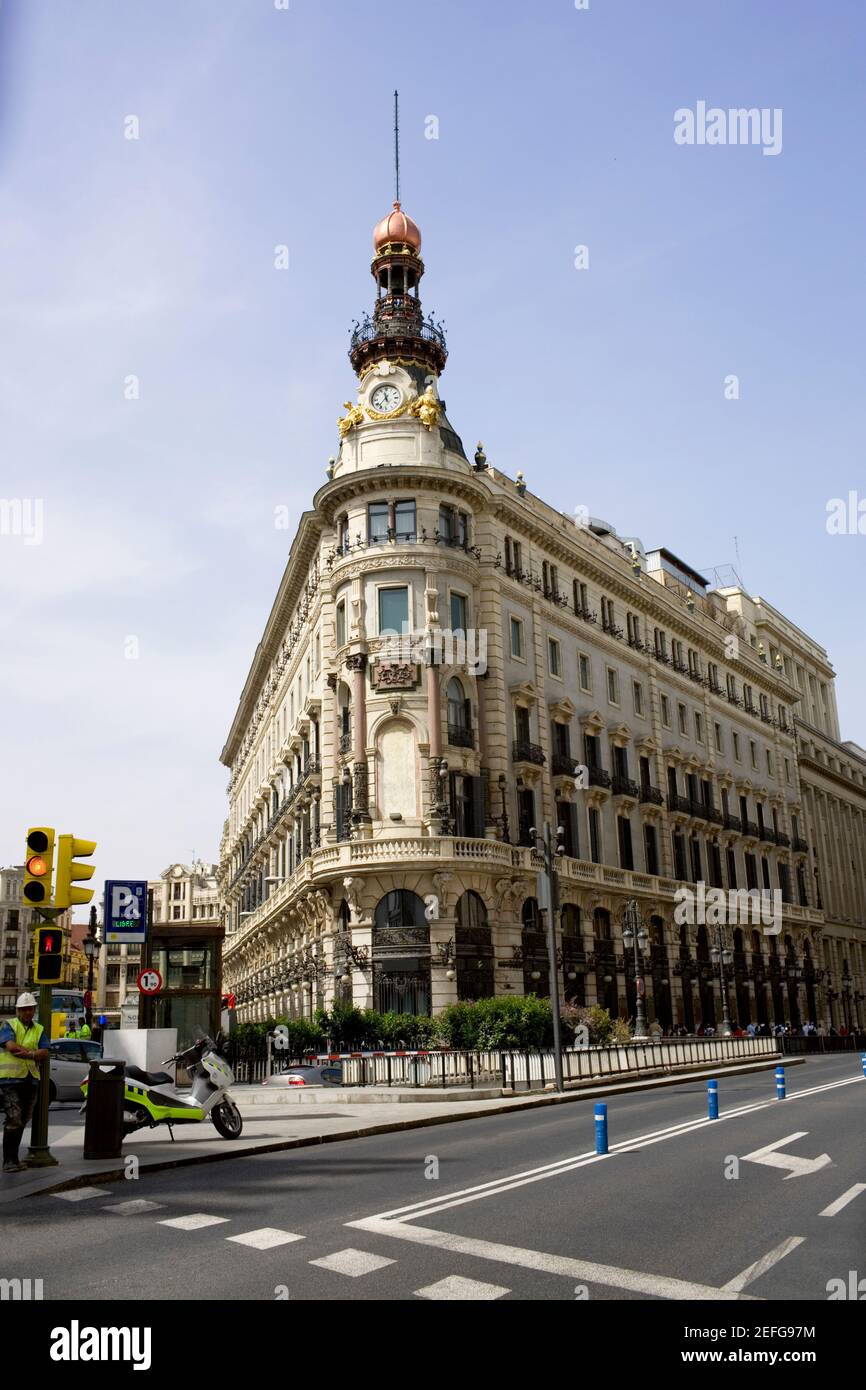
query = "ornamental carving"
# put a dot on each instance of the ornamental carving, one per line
(395, 675)
(427, 409)
(354, 416)
(356, 662)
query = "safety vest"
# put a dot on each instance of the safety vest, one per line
(84, 1031)
(14, 1068)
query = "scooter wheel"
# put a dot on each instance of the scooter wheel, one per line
(227, 1119)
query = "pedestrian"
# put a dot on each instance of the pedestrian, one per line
(23, 1044)
(83, 1028)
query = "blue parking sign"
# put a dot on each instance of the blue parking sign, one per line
(125, 910)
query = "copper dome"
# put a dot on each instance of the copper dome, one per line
(397, 227)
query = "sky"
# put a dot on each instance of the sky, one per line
(167, 384)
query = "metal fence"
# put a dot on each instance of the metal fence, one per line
(853, 1042)
(524, 1069)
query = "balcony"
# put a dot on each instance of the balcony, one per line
(623, 786)
(698, 808)
(713, 814)
(732, 823)
(651, 794)
(751, 829)
(527, 753)
(679, 803)
(799, 845)
(312, 768)
(783, 839)
(563, 765)
(461, 737)
(346, 743)
(599, 777)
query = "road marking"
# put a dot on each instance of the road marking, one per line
(132, 1208)
(754, 1271)
(354, 1263)
(580, 1271)
(196, 1222)
(797, 1167)
(265, 1238)
(455, 1288)
(843, 1201)
(431, 1205)
(81, 1194)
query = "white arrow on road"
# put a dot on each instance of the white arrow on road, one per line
(797, 1167)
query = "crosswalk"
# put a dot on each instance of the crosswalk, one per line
(350, 1263)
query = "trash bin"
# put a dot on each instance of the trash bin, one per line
(103, 1118)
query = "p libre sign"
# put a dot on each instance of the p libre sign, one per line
(125, 910)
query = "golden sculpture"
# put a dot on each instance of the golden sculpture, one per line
(387, 414)
(427, 409)
(354, 415)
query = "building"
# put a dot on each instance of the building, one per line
(17, 921)
(185, 936)
(386, 794)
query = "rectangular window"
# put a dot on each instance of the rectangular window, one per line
(341, 624)
(651, 849)
(637, 691)
(697, 871)
(458, 613)
(633, 626)
(699, 728)
(584, 672)
(626, 855)
(718, 733)
(736, 740)
(751, 871)
(377, 522)
(404, 520)
(393, 610)
(684, 719)
(769, 762)
(666, 711)
(753, 749)
(732, 867)
(679, 856)
(554, 659)
(594, 835)
(612, 686)
(517, 638)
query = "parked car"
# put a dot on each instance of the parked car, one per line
(326, 1074)
(70, 1065)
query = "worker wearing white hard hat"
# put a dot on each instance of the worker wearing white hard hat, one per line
(23, 1044)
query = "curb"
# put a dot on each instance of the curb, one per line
(395, 1126)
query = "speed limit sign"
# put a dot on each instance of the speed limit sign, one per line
(150, 981)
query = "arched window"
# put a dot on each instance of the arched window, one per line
(530, 916)
(474, 948)
(401, 954)
(471, 911)
(571, 920)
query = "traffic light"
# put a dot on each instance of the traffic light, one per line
(68, 870)
(47, 956)
(38, 863)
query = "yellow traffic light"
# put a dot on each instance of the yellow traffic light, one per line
(68, 849)
(48, 946)
(38, 863)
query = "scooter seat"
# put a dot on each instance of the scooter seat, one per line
(150, 1078)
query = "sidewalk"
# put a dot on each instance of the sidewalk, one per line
(290, 1120)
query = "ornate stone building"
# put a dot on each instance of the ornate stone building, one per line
(386, 795)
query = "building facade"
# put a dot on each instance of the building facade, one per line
(450, 663)
(185, 907)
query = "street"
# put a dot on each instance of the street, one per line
(511, 1206)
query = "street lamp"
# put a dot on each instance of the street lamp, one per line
(721, 956)
(91, 945)
(634, 937)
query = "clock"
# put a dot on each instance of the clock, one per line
(385, 398)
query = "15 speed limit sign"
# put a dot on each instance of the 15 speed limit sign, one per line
(150, 981)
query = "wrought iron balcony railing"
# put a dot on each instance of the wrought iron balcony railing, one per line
(750, 827)
(400, 325)
(800, 845)
(563, 764)
(460, 737)
(650, 793)
(783, 839)
(623, 786)
(599, 777)
(732, 822)
(527, 753)
(679, 803)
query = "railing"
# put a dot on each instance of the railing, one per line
(650, 793)
(460, 737)
(527, 753)
(799, 845)
(371, 329)
(598, 776)
(750, 828)
(563, 765)
(679, 803)
(623, 786)
(783, 839)
(814, 1043)
(732, 822)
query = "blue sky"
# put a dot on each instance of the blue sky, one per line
(259, 127)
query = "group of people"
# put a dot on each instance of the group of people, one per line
(762, 1030)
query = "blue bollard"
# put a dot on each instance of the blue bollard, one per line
(601, 1128)
(863, 1061)
(780, 1083)
(712, 1100)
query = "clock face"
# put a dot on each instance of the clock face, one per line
(385, 398)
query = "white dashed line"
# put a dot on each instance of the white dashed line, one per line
(352, 1262)
(196, 1222)
(133, 1207)
(843, 1201)
(265, 1238)
(455, 1288)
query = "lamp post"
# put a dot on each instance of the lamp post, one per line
(91, 950)
(634, 937)
(847, 982)
(551, 896)
(721, 956)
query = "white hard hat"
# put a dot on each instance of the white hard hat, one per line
(25, 1001)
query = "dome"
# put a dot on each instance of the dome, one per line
(397, 227)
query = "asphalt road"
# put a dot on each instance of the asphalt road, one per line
(512, 1206)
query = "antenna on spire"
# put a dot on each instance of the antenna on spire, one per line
(397, 143)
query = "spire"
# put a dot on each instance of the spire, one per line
(397, 149)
